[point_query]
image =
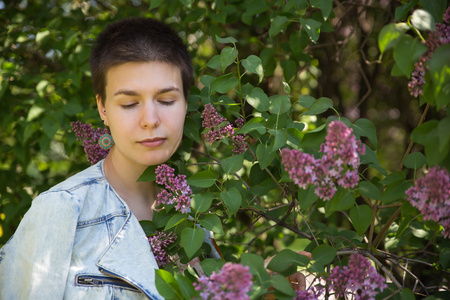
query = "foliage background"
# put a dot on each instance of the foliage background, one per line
(45, 84)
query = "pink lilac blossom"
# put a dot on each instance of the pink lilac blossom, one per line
(431, 196)
(337, 167)
(90, 137)
(219, 128)
(159, 243)
(177, 191)
(312, 293)
(359, 278)
(434, 40)
(232, 282)
(239, 143)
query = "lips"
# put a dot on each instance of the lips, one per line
(151, 143)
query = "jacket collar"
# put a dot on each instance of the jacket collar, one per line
(130, 258)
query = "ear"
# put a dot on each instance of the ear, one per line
(101, 109)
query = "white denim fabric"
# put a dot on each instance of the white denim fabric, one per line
(74, 241)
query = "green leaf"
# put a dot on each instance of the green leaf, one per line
(255, 124)
(278, 24)
(402, 11)
(443, 135)
(280, 139)
(319, 106)
(423, 20)
(281, 284)
(226, 40)
(306, 101)
(324, 254)
(285, 259)
(202, 202)
(298, 42)
(50, 126)
(213, 223)
(325, 6)
(175, 220)
(306, 197)
(312, 28)
(224, 83)
(289, 67)
(256, 265)
(390, 35)
(444, 258)
(279, 104)
(369, 190)
(148, 175)
(186, 286)
(264, 155)
(395, 191)
(435, 7)
(258, 99)
(214, 62)
(361, 217)
(439, 87)
(149, 227)
(232, 200)
(210, 265)
(407, 294)
(415, 160)
(191, 130)
(365, 127)
(202, 179)
(167, 285)
(232, 164)
(227, 57)
(254, 65)
(342, 200)
(192, 240)
(407, 52)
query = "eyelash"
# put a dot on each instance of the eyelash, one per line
(166, 103)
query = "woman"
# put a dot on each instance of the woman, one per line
(82, 239)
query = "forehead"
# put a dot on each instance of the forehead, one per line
(143, 74)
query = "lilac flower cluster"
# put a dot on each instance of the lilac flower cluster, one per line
(337, 167)
(431, 195)
(219, 128)
(435, 39)
(159, 243)
(177, 190)
(359, 278)
(90, 137)
(232, 282)
(309, 294)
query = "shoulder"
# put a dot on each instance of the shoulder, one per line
(75, 188)
(90, 176)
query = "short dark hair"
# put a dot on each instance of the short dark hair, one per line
(138, 40)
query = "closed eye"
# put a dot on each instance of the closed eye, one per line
(128, 106)
(167, 102)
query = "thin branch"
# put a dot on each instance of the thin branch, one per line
(411, 143)
(386, 226)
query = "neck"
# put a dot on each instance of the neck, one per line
(123, 176)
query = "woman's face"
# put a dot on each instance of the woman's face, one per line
(145, 110)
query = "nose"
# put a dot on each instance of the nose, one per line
(150, 115)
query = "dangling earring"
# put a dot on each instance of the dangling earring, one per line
(106, 141)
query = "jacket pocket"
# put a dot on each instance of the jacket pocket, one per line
(101, 281)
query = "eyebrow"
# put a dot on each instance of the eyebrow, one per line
(135, 93)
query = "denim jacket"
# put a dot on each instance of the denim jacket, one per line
(79, 240)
